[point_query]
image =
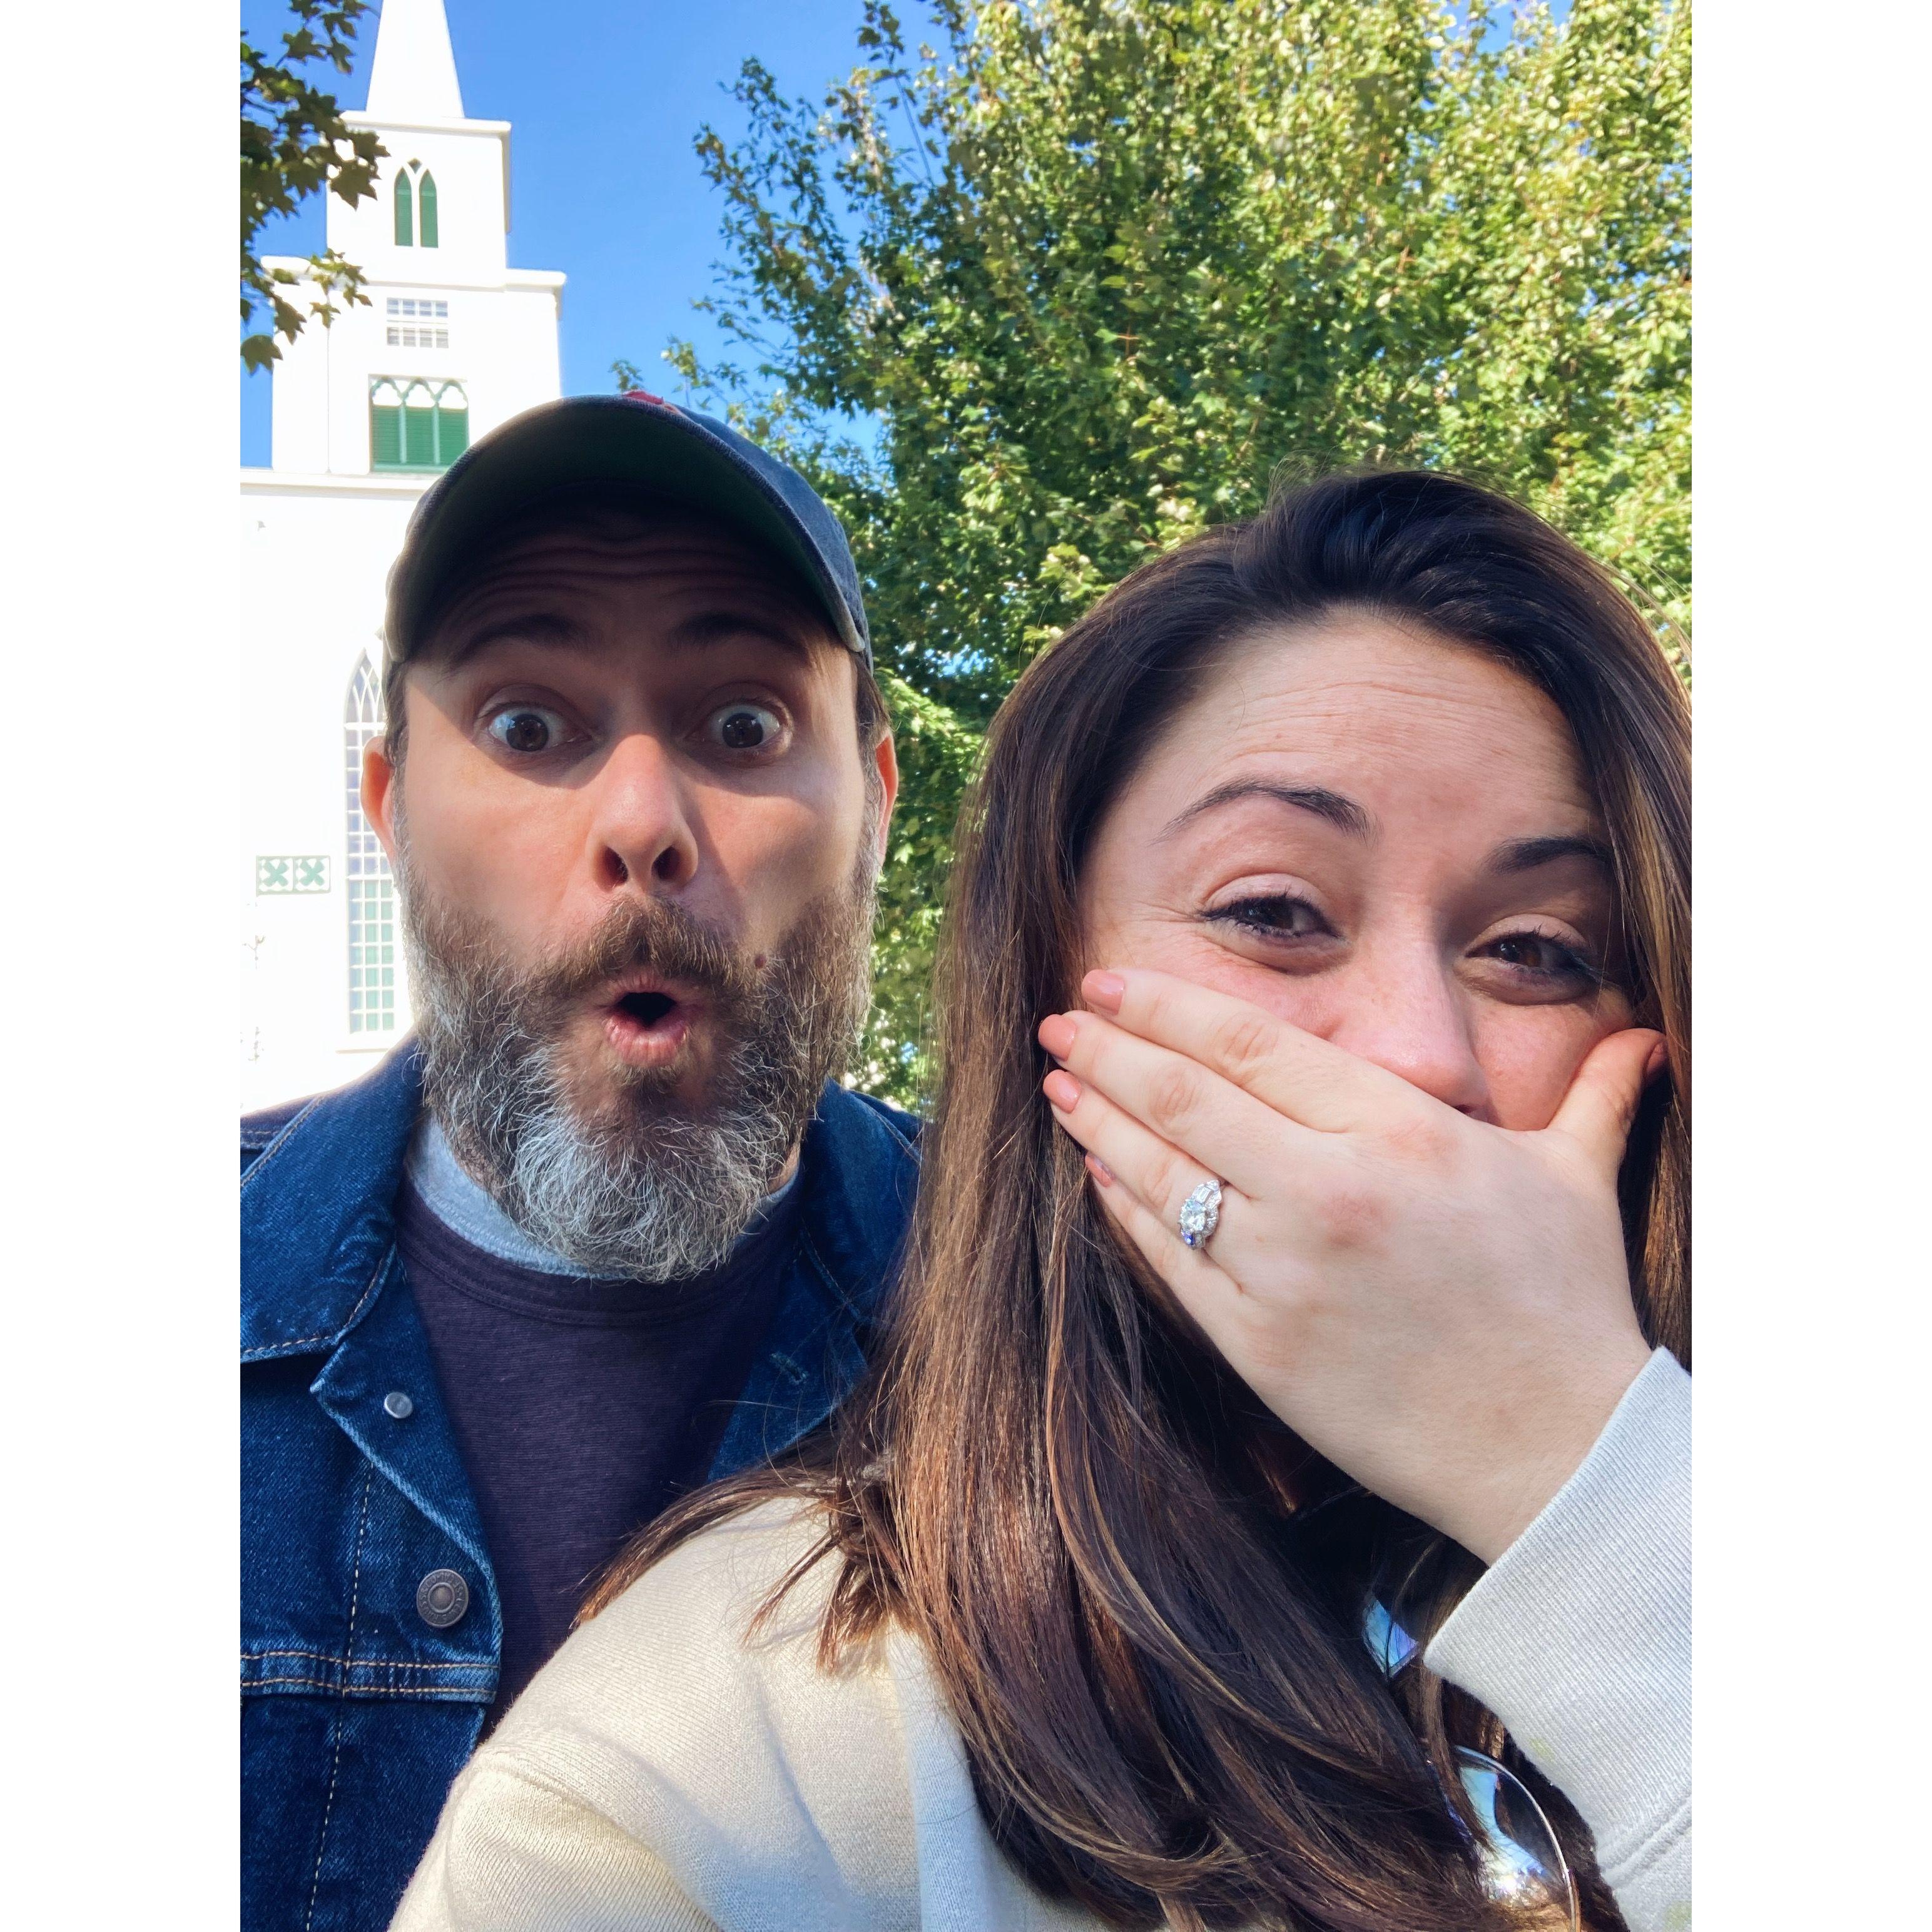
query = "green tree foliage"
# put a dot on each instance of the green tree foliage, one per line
(1031, 306)
(294, 141)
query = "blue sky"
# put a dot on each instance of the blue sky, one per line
(604, 95)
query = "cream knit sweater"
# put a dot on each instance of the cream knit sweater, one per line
(662, 1774)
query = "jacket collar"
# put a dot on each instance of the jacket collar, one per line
(858, 1168)
(318, 1206)
(318, 1211)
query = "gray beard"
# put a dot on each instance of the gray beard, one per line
(647, 1187)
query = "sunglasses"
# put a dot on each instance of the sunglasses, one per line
(1518, 1855)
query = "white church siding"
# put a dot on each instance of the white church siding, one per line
(321, 527)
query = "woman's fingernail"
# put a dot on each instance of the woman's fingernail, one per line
(1659, 1058)
(1056, 1035)
(1100, 1172)
(1062, 1089)
(1105, 990)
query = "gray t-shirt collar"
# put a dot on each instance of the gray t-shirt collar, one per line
(464, 1206)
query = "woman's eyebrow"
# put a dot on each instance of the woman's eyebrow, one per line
(1343, 813)
(1525, 855)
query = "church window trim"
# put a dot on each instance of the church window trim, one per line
(417, 225)
(416, 423)
(372, 959)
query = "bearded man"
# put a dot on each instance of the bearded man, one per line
(607, 1225)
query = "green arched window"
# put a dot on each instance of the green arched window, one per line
(415, 424)
(415, 207)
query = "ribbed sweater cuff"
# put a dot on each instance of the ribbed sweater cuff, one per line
(1578, 1636)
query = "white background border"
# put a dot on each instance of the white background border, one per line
(1814, 758)
(121, 642)
(1814, 740)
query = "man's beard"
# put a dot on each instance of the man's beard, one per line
(646, 1185)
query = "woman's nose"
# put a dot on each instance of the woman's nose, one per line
(642, 828)
(1409, 1016)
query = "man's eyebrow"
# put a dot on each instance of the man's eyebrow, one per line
(714, 627)
(534, 627)
(1343, 813)
(550, 628)
(1525, 855)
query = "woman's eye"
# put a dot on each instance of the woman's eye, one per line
(1278, 917)
(1539, 954)
(745, 727)
(528, 728)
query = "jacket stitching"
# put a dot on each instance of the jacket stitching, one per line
(335, 1761)
(367, 1663)
(277, 1142)
(368, 1690)
(892, 1127)
(328, 1334)
(831, 1281)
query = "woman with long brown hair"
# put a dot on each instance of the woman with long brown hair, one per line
(1268, 1505)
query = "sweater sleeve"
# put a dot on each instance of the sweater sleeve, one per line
(519, 1851)
(1578, 1639)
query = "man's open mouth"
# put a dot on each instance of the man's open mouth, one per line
(647, 1009)
(646, 1025)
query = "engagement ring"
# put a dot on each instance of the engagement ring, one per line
(1201, 1215)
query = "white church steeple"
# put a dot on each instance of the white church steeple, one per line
(450, 341)
(414, 75)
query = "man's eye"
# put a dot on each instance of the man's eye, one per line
(745, 727)
(527, 728)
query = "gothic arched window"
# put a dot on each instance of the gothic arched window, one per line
(415, 207)
(372, 889)
(416, 423)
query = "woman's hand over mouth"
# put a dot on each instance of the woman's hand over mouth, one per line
(1440, 1306)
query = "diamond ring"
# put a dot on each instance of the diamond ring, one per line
(1201, 1215)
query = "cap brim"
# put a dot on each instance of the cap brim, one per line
(592, 440)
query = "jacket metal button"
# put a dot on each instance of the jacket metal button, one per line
(399, 1404)
(441, 1598)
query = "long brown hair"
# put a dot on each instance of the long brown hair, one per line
(1145, 1599)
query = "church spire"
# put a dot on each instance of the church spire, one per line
(414, 76)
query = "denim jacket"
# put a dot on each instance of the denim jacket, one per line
(356, 1712)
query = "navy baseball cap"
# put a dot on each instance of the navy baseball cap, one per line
(636, 438)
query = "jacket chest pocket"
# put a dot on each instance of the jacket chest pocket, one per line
(349, 1589)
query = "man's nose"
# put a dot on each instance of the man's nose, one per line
(1409, 1015)
(642, 832)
